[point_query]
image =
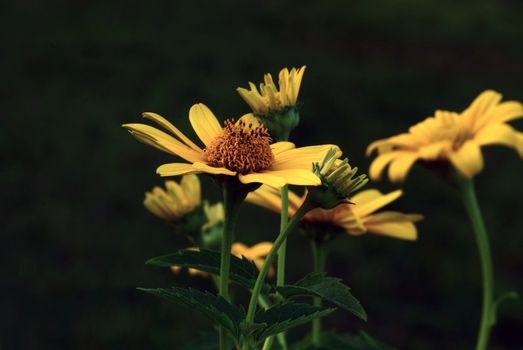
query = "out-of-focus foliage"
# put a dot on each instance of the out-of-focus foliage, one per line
(75, 235)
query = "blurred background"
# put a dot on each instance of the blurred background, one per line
(75, 235)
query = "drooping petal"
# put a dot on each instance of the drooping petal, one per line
(381, 161)
(213, 170)
(363, 209)
(399, 167)
(263, 178)
(299, 177)
(468, 160)
(393, 224)
(204, 123)
(175, 169)
(163, 141)
(169, 126)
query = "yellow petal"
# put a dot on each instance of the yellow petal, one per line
(302, 158)
(381, 161)
(399, 167)
(361, 208)
(282, 146)
(163, 141)
(468, 160)
(267, 197)
(506, 111)
(213, 170)
(249, 118)
(174, 169)
(300, 177)
(264, 178)
(477, 109)
(434, 150)
(167, 125)
(204, 123)
(392, 224)
(498, 134)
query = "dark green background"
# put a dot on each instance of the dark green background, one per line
(75, 235)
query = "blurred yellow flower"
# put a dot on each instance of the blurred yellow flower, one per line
(269, 97)
(214, 214)
(176, 200)
(239, 149)
(451, 136)
(256, 254)
(355, 219)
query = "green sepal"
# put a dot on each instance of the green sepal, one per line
(243, 271)
(317, 284)
(215, 307)
(286, 315)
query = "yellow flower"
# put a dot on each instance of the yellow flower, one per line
(270, 98)
(453, 137)
(355, 219)
(242, 150)
(176, 200)
(214, 214)
(257, 254)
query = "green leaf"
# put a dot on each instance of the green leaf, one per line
(216, 308)
(495, 305)
(286, 315)
(328, 288)
(243, 271)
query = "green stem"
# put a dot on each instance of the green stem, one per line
(232, 198)
(319, 256)
(280, 277)
(268, 342)
(474, 212)
(306, 206)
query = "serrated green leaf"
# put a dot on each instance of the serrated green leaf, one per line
(286, 315)
(243, 271)
(328, 288)
(214, 307)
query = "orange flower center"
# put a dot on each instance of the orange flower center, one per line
(241, 148)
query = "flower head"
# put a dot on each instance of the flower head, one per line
(337, 177)
(241, 150)
(355, 219)
(271, 98)
(276, 107)
(451, 137)
(176, 200)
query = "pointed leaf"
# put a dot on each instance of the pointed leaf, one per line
(214, 307)
(286, 315)
(243, 271)
(328, 288)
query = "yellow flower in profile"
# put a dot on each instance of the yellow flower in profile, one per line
(257, 254)
(176, 200)
(355, 219)
(269, 97)
(453, 137)
(240, 149)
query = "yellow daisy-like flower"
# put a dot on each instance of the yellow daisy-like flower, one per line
(257, 254)
(453, 137)
(355, 219)
(240, 149)
(176, 200)
(269, 97)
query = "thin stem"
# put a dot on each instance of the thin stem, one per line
(232, 200)
(280, 277)
(268, 341)
(319, 256)
(474, 212)
(306, 206)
